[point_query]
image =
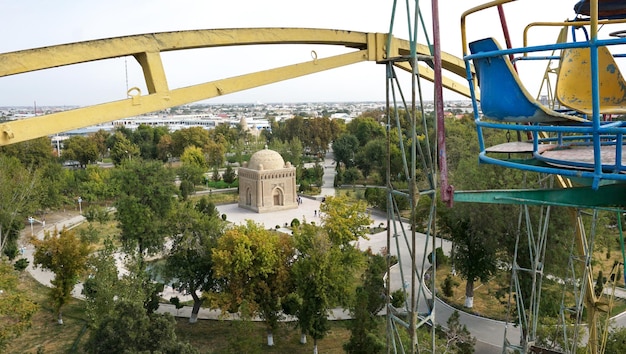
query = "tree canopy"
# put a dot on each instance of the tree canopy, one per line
(66, 255)
(195, 233)
(146, 195)
(254, 266)
(16, 306)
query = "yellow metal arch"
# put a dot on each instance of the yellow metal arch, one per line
(147, 49)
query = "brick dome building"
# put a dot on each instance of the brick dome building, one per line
(267, 183)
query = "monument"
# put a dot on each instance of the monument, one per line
(267, 183)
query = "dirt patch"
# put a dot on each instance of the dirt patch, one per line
(48, 220)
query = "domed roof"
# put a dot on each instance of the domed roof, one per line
(266, 160)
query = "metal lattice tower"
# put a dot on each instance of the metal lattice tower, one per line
(414, 275)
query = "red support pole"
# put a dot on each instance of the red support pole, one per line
(447, 191)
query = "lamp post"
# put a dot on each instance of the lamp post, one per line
(80, 205)
(31, 220)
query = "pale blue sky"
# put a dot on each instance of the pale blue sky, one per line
(35, 23)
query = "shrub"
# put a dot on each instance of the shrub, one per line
(21, 264)
(216, 177)
(97, 213)
(10, 250)
(229, 175)
(441, 258)
(186, 189)
(338, 179)
(398, 298)
(304, 187)
(295, 222)
(291, 304)
(448, 286)
(224, 217)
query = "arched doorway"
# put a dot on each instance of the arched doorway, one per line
(278, 196)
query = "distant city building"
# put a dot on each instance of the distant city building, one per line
(267, 183)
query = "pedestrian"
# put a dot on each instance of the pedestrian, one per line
(314, 212)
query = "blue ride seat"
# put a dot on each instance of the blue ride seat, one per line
(502, 95)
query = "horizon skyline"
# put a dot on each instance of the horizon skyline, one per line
(200, 103)
(70, 21)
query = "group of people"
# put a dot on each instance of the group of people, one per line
(315, 212)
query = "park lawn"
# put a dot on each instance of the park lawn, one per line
(486, 303)
(45, 333)
(214, 336)
(207, 336)
(218, 198)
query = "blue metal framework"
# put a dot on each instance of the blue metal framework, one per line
(573, 143)
(506, 105)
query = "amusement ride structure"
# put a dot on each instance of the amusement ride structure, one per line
(567, 133)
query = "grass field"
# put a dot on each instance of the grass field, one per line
(207, 336)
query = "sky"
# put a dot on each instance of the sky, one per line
(27, 24)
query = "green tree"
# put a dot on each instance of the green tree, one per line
(123, 149)
(229, 175)
(129, 329)
(206, 206)
(344, 149)
(96, 184)
(254, 265)
(295, 150)
(323, 277)
(194, 136)
(80, 148)
(473, 255)
(190, 260)
(363, 327)
(193, 155)
(19, 192)
(193, 165)
(186, 189)
(215, 151)
(318, 134)
(457, 338)
(66, 256)
(345, 221)
(365, 129)
(373, 158)
(16, 307)
(616, 342)
(100, 139)
(102, 287)
(369, 300)
(480, 236)
(146, 191)
(231, 134)
(33, 153)
(351, 175)
(216, 176)
(165, 149)
(52, 187)
(147, 137)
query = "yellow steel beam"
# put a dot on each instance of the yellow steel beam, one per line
(26, 129)
(147, 49)
(81, 52)
(427, 73)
